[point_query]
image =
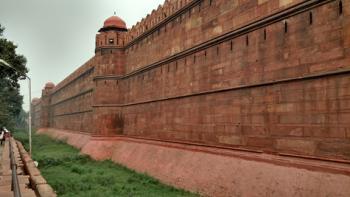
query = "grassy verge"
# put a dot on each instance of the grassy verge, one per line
(72, 174)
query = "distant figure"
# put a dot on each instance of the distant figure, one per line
(2, 134)
(7, 133)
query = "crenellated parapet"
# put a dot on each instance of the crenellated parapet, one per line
(157, 16)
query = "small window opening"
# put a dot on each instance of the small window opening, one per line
(210, 2)
(111, 41)
(310, 18)
(205, 53)
(340, 7)
(247, 40)
(231, 45)
(285, 27)
(264, 34)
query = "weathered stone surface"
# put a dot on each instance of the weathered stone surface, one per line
(282, 87)
(213, 171)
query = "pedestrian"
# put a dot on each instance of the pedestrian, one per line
(7, 133)
(2, 135)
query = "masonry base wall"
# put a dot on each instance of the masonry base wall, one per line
(307, 117)
(216, 172)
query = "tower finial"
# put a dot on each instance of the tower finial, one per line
(115, 13)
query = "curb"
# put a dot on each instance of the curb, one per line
(36, 180)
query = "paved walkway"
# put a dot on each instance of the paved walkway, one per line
(6, 173)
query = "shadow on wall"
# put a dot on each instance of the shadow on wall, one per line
(114, 123)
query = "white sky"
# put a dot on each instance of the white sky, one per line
(58, 36)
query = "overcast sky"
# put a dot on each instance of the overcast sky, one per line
(58, 36)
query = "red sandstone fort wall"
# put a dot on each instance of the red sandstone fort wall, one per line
(71, 100)
(194, 24)
(279, 84)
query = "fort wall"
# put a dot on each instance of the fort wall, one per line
(195, 23)
(268, 76)
(71, 100)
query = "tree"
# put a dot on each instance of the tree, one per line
(10, 99)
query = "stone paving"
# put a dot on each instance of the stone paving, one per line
(6, 173)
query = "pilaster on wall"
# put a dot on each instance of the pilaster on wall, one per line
(46, 115)
(36, 112)
(109, 53)
(110, 61)
(107, 121)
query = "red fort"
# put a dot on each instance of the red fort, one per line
(220, 97)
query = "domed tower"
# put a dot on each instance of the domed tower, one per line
(109, 62)
(46, 114)
(109, 50)
(111, 35)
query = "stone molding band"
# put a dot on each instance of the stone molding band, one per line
(287, 80)
(260, 23)
(87, 72)
(73, 97)
(74, 113)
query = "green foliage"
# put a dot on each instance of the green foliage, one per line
(73, 174)
(21, 119)
(10, 99)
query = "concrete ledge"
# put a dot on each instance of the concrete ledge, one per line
(37, 181)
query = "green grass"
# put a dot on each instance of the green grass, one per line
(72, 174)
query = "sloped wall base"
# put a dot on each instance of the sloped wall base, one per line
(213, 171)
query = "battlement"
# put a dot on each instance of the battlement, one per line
(157, 16)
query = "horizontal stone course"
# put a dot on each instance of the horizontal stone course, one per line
(280, 87)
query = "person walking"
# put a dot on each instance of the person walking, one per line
(2, 135)
(7, 133)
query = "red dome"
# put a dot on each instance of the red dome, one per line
(114, 21)
(35, 101)
(49, 85)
